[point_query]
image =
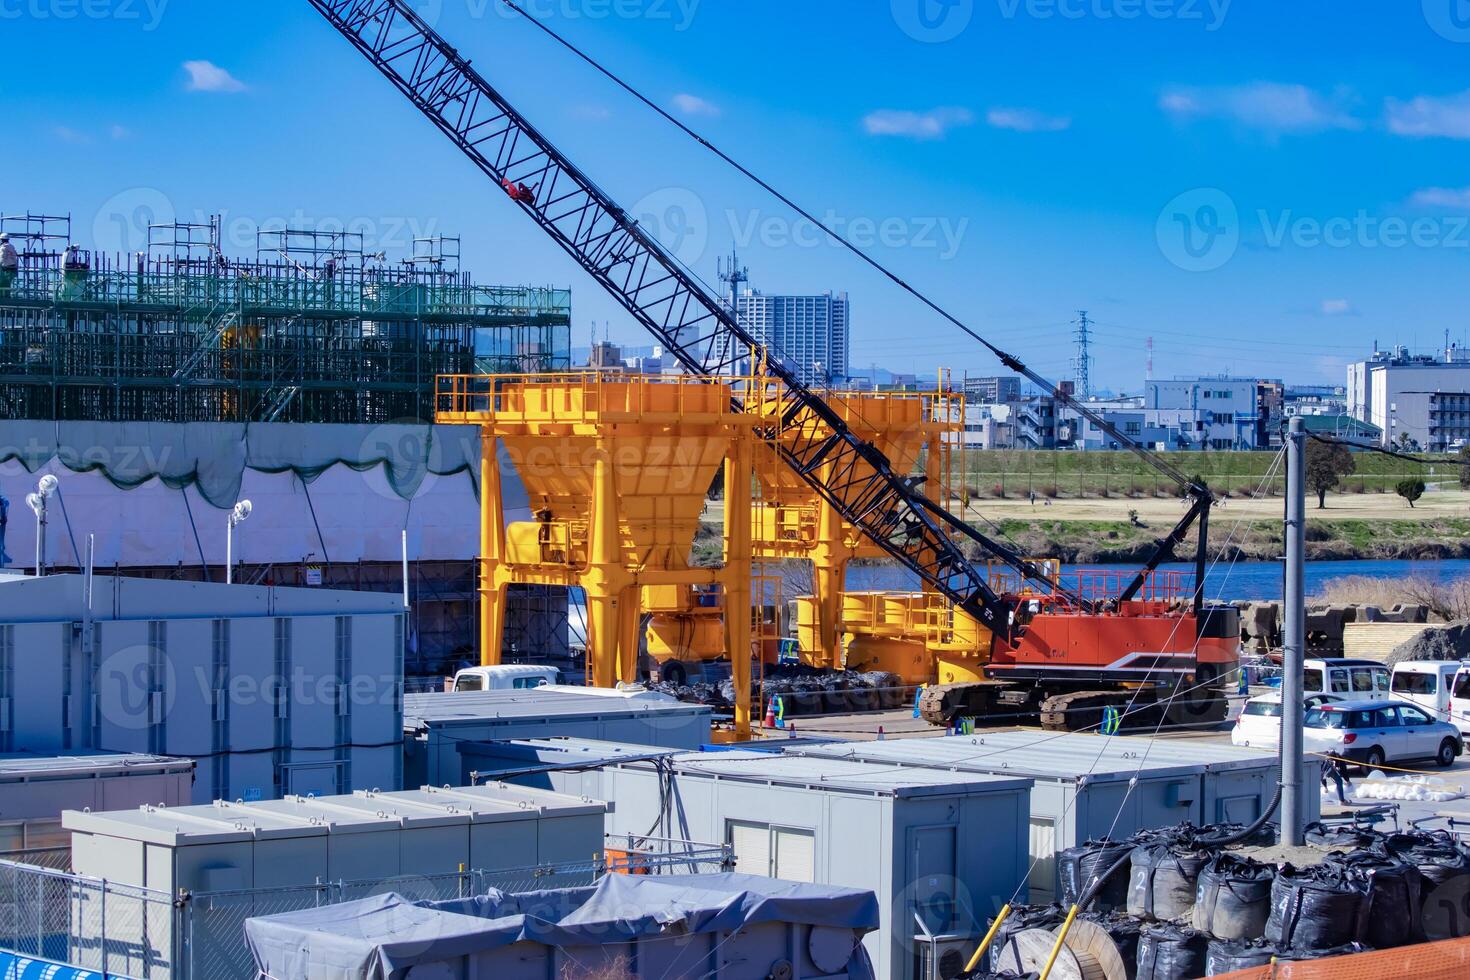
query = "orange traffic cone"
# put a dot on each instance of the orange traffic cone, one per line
(770, 721)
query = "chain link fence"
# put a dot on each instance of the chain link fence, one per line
(114, 929)
(149, 935)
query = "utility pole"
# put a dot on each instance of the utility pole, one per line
(1294, 636)
(1082, 362)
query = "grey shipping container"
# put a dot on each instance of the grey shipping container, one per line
(440, 729)
(1085, 784)
(942, 851)
(35, 789)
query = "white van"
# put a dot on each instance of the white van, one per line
(1361, 680)
(1460, 698)
(1427, 683)
(505, 677)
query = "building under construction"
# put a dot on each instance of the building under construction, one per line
(312, 328)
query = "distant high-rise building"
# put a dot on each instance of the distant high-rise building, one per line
(994, 390)
(808, 333)
(606, 356)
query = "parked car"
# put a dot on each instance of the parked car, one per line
(1427, 683)
(1377, 732)
(1259, 723)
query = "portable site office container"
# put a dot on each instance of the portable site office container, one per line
(439, 729)
(950, 848)
(34, 789)
(1082, 782)
(268, 856)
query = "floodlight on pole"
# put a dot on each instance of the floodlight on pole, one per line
(238, 516)
(47, 487)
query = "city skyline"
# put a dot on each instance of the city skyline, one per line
(1253, 190)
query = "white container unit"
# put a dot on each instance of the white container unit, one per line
(238, 860)
(275, 691)
(440, 729)
(948, 848)
(1082, 782)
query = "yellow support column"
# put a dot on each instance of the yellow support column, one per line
(737, 577)
(829, 566)
(602, 582)
(630, 614)
(492, 553)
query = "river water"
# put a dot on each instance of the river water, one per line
(1243, 580)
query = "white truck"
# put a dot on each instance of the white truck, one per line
(505, 677)
(1430, 684)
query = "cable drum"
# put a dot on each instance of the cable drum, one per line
(1163, 881)
(1320, 907)
(1122, 929)
(1023, 917)
(1171, 952)
(1233, 898)
(1395, 896)
(1076, 867)
(1028, 950)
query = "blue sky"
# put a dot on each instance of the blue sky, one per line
(1262, 187)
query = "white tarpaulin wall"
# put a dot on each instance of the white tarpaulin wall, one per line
(338, 493)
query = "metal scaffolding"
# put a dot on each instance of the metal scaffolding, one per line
(313, 329)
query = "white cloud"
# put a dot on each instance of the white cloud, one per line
(1427, 115)
(1337, 307)
(68, 135)
(206, 76)
(1027, 121)
(693, 105)
(592, 113)
(931, 125)
(1447, 198)
(120, 132)
(1271, 106)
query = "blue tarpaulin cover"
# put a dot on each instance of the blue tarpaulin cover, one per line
(380, 938)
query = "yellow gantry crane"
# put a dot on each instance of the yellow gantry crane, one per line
(617, 469)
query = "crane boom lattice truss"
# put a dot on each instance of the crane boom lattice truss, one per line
(668, 300)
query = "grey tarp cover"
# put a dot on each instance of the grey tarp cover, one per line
(382, 937)
(214, 455)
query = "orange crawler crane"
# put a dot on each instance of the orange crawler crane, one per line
(617, 468)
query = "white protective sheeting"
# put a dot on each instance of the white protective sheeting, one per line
(303, 503)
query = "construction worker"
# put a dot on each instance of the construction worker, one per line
(9, 265)
(74, 271)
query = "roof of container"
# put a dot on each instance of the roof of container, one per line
(423, 710)
(308, 816)
(548, 754)
(22, 766)
(840, 775)
(1049, 755)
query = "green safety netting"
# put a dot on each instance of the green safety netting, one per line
(213, 456)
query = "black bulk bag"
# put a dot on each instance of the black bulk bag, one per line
(1162, 882)
(1317, 908)
(1436, 854)
(1342, 836)
(1229, 955)
(1233, 898)
(1170, 952)
(1395, 896)
(1077, 866)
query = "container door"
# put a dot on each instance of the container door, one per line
(932, 871)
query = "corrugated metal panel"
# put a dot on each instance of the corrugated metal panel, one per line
(840, 775)
(425, 709)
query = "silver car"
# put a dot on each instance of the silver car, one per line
(1373, 733)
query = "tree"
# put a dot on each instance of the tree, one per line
(1327, 464)
(1464, 458)
(1410, 490)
